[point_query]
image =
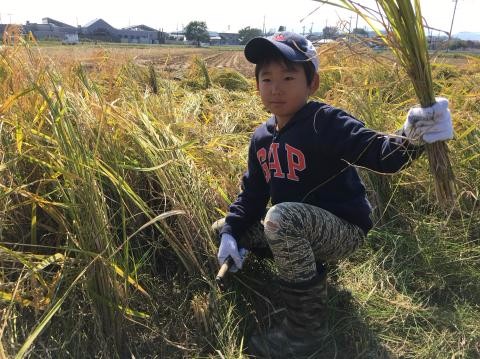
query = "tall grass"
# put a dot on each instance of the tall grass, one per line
(405, 36)
(112, 172)
(72, 156)
(415, 257)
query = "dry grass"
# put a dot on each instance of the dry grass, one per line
(109, 187)
(405, 36)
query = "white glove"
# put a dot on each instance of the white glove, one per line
(429, 124)
(228, 247)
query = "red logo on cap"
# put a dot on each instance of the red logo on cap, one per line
(279, 37)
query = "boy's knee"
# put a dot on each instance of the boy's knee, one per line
(274, 219)
(271, 221)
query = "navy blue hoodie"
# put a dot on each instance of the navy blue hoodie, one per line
(311, 160)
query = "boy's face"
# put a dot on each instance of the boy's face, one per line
(284, 91)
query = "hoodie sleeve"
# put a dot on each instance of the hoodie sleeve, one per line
(349, 139)
(250, 205)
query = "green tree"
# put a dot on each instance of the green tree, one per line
(197, 31)
(360, 32)
(330, 32)
(248, 33)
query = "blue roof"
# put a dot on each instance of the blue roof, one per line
(91, 22)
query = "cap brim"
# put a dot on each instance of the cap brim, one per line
(260, 47)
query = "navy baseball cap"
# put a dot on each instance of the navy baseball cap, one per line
(293, 46)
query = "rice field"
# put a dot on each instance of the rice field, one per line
(170, 59)
(114, 162)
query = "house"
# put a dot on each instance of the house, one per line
(176, 37)
(229, 38)
(141, 34)
(214, 38)
(99, 30)
(50, 29)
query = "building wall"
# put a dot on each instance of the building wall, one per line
(229, 39)
(138, 36)
(47, 31)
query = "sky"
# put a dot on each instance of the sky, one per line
(226, 16)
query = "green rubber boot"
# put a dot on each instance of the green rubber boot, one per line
(302, 331)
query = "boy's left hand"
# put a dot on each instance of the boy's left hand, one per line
(429, 124)
(228, 248)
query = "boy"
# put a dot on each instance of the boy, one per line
(302, 159)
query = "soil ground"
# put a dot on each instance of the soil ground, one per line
(170, 59)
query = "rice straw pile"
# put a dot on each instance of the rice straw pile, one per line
(405, 36)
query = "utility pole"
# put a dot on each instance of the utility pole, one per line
(264, 31)
(453, 18)
(451, 25)
(430, 36)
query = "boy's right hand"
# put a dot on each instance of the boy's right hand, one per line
(228, 247)
(429, 124)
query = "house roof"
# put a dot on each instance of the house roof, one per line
(99, 23)
(214, 35)
(91, 22)
(139, 28)
(50, 27)
(49, 20)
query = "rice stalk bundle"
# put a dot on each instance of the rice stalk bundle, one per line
(405, 36)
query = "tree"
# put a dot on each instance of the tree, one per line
(248, 33)
(360, 32)
(330, 32)
(197, 31)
